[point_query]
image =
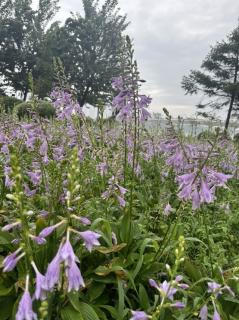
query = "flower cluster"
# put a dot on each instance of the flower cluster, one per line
(125, 103)
(115, 190)
(200, 187)
(64, 104)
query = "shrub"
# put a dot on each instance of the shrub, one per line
(43, 108)
(8, 103)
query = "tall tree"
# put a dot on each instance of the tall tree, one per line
(219, 77)
(22, 36)
(90, 47)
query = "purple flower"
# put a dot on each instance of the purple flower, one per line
(216, 315)
(203, 315)
(206, 194)
(43, 213)
(25, 311)
(35, 177)
(139, 315)
(90, 239)
(102, 168)
(186, 179)
(121, 200)
(75, 280)
(43, 148)
(154, 284)
(167, 290)
(122, 190)
(40, 292)
(167, 210)
(67, 254)
(85, 221)
(53, 272)
(48, 230)
(117, 83)
(28, 192)
(195, 199)
(214, 288)
(10, 262)
(178, 305)
(11, 226)
(185, 192)
(220, 178)
(38, 240)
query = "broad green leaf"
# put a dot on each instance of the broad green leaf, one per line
(69, 313)
(115, 248)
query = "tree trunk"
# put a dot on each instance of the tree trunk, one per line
(25, 94)
(232, 96)
(84, 96)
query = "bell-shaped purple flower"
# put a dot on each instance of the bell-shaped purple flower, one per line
(25, 311)
(139, 315)
(195, 199)
(48, 230)
(203, 315)
(10, 262)
(11, 226)
(178, 305)
(67, 253)
(121, 201)
(37, 240)
(90, 239)
(40, 292)
(53, 272)
(216, 315)
(74, 277)
(154, 284)
(206, 194)
(85, 221)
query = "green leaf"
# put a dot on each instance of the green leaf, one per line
(111, 310)
(111, 249)
(141, 258)
(84, 309)
(192, 239)
(69, 313)
(96, 290)
(5, 291)
(5, 238)
(143, 298)
(88, 313)
(6, 307)
(121, 299)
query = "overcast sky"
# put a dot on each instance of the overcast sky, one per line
(170, 38)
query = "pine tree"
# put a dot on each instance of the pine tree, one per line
(219, 78)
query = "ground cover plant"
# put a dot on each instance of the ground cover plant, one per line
(107, 220)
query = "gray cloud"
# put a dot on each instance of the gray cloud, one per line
(171, 37)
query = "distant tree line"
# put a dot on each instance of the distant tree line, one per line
(90, 47)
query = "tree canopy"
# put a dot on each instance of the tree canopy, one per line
(22, 36)
(90, 47)
(218, 77)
